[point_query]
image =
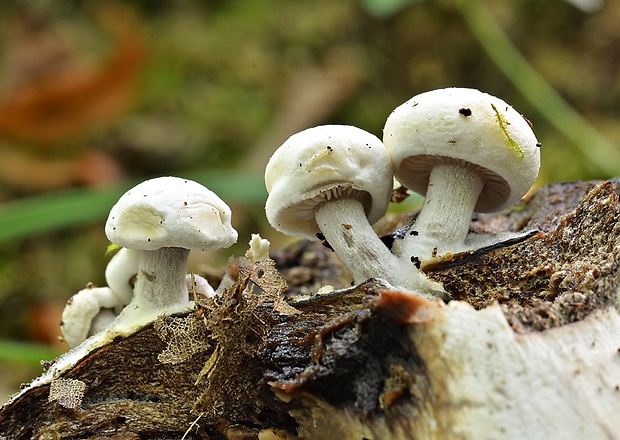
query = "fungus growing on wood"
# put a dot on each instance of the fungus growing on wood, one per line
(337, 180)
(164, 219)
(466, 151)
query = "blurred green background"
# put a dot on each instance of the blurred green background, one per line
(96, 96)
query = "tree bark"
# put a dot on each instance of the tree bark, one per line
(528, 347)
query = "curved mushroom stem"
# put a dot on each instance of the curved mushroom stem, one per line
(120, 275)
(345, 227)
(443, 223)
(161, 287)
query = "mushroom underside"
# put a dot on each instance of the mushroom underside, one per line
(305, 210)
(415, 173)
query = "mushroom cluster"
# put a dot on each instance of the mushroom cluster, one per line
(93, 309)
(157, 223)
(463, 149)
(164, 219)
(333, 182)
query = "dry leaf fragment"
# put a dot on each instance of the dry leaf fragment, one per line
(67, 103)
(265, 275)
(68, 392)
(184, 336)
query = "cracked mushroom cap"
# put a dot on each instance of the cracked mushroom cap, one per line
(321, 163)
(466, 126)
(170, 212)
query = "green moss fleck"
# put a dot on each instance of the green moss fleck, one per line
(112, 249)
(503, 124)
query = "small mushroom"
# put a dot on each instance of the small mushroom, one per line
(94, 309)
(465, 151)
(164, 219)
(84, 308)
(336, 180)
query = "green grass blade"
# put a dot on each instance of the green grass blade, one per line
(26, 353)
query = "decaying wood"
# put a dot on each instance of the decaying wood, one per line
(529, 347)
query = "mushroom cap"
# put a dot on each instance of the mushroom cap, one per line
(469, 127)
(170, 212)
(322, 163)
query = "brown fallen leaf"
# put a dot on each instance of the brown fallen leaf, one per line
(65, 104)
(28, 172)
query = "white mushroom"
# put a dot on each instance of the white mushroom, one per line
(94, 309)
(165, 218)
(336, 180)
(82, 309)
(466, 151)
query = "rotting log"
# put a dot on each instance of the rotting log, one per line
(529, 347)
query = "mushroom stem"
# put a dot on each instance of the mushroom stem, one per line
(345, 227)
(161, 286)
(443, 223)
(161, 281)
